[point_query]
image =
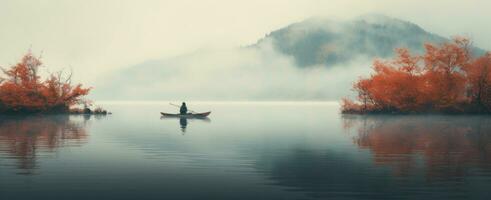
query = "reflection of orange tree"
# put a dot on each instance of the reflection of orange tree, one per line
(24, 138)
(448, 145)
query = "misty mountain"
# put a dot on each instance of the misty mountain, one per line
(316, 59)
(321, 41)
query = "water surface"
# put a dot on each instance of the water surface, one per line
(253, 150)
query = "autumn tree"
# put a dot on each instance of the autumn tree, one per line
(447, 78)
(444, 65)
(22, 90)
(479, 82)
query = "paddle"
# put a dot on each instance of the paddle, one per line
(180, 107)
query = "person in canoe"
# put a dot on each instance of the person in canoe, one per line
(183, 110)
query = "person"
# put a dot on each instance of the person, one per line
(183, 110)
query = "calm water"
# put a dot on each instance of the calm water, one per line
(245, 151)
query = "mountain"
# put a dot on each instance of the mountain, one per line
(316, 59)
(321, 41)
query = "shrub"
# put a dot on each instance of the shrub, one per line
(447, 78)
(23, 91)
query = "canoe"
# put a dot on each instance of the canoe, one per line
(189, 115)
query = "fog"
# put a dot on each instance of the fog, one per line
(95, 37)
(336, 51)
(105, 40)
(249, 73)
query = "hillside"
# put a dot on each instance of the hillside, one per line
(321, 41)
(316, 59)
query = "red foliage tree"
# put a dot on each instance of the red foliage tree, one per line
(479, 82)
(23, 91)
(444, 73)
(447, 78)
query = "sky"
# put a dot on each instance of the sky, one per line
(93, 38)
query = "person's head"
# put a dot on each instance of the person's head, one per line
(183, 103)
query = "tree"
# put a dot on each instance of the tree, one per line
(447, 78)
(444, 66)
(479, 82)
(21, 90)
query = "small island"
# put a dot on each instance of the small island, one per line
(22, 91)
(448, 78)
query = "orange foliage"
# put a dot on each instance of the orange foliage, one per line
(447, 78)
(479, 82)
(23, 91)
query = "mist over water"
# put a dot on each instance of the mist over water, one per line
(314, 59)
(253, 73)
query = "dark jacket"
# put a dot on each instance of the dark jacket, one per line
(183, 109)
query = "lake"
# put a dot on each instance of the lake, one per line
(244, 150)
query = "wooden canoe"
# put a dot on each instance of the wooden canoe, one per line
(189, 115)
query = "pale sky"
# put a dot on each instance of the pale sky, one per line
(93, 37)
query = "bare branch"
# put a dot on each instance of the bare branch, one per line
(69, 78)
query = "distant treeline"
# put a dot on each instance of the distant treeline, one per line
(23, 91)
(447, 78)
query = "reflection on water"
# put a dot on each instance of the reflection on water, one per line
(250, 151)
(394, 157)
(183, 121)
(449, 146)
(23, 138)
